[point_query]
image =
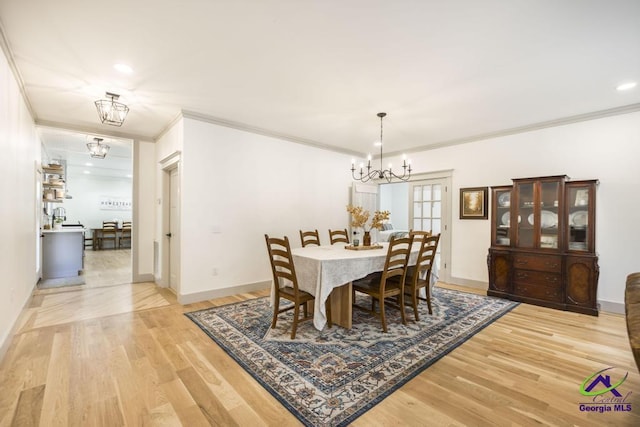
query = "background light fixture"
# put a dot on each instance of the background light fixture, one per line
(380, 173)
(110, 111)
(97, 150)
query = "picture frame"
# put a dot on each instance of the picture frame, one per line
(474, 203)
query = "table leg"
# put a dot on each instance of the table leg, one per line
(341, 300)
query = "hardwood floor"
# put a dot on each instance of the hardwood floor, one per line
(126, 355)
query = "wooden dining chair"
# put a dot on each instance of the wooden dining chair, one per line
(388, 283)
(419, 235)
(419, 276)
(336, 236)
(125, 234)
(309, 238)
(285, 283)
(109, 232)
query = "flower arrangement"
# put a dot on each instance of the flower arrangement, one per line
(361, 216)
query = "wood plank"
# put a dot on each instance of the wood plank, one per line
(152, 365)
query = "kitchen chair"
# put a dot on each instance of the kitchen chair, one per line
(109, 232)
(339, 236)
(380, 286)
(419, 235)
(285, 284)
(125, 234)
(309, 238)
(419, 276)
(88, 239)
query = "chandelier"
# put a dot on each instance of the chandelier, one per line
(97, 150)
(110, 111)
(387, 174)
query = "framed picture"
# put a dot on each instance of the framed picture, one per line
(474, 203)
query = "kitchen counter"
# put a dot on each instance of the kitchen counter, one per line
(62, 252)
(66, 230)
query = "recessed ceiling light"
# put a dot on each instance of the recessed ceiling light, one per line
(87, 172)
(123, 68)
(129, 176)
(88, 164)
(377, 143)
(627, 86)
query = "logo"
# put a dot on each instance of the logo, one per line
(605, 395)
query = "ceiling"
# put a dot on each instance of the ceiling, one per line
(320, 71)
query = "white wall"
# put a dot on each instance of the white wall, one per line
(20, 150)
(607, 149)
(144, 194)
(246, 185)
(87, 190)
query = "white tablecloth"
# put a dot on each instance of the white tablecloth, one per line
(322, 268)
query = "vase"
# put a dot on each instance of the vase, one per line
(366, 239)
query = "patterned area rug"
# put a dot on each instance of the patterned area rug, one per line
(331, 377)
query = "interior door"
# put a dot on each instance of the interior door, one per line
(174, 229)
(429, 206)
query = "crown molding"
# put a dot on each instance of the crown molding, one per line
(6, 48)
(626, 109)
(93, 131)
(265, 132)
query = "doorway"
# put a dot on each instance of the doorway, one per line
(423, 204)
(171, 195)
(95, 190)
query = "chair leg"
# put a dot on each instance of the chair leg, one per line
(276, 308)
(383, 319)
(328, 310)
(294, 327)
(414, 303)
(402, 314)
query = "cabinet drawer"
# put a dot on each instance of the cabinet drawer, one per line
(538, 262)
(537, 278)
(546, 293)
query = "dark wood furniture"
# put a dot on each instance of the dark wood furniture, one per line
(108, 232)
(419, 235)
(309, 238)
(419, 276)
(125, 235)
(543, 243)
(388, 283)
(285, 284)
(632, 314)
(336, 236)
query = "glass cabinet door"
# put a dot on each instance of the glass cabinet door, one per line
(548, 217)
(525, 216)
(580, 212)
(501, 199)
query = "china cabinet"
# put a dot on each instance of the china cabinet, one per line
(543, 243)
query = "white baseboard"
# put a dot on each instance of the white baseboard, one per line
(478, 284)
(4, 346)
(224, 292)
(611, 307)
(140, 278)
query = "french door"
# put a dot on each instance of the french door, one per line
(429, 205)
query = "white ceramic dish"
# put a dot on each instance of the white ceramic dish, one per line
(579, 218)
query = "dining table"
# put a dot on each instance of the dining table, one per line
(327, 272)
